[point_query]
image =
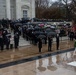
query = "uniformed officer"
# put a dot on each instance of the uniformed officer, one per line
(4, 35)
(16, 39)
(57, 41)
(40, 44)
(50, 43)
(8, 41)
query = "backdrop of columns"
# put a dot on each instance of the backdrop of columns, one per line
(18, 11)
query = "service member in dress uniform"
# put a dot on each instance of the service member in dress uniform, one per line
(57, 41)
(8, 41)
(16, 39)
(4, 35)
(50, 43)
(40, 44)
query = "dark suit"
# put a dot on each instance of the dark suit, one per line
(57, 42)
(7, 41)
(16, 39)
(40, 45)
(71, 36)
(49, 43)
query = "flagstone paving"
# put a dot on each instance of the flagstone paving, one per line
(31, 50)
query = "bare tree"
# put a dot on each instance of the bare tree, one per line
(67, 4)
(66, 9)
(70, 8)
(73, 7)
(74, 1)
(41, 5)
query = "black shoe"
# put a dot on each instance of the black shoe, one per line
(16, 47)
(49, 50)
(7, 48)
(1, 50)
(57, 49)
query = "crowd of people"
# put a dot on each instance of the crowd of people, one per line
(50, 20)
(30, 31)
(5, 39)
(6, 28)
(50, 41)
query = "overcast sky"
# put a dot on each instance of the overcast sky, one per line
(57, 0)
(53, 0)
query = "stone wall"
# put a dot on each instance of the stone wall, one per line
(2, 9)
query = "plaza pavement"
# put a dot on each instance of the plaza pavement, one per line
(23, 42)
(27, 50)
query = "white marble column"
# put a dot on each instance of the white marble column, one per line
(8, 12)
(18, 9)
(33, 9)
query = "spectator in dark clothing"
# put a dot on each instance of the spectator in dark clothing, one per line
(71, 35)
(75, 35)
(1, 43)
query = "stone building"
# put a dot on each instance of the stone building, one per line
(16, 9)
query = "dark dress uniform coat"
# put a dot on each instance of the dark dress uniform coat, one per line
(50, 43)
(16, 39)
(57, 41)
(40, 45)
